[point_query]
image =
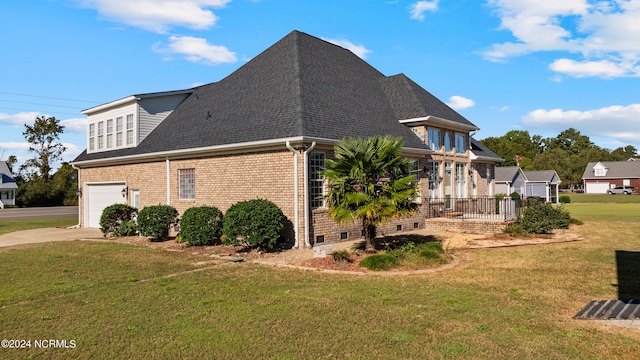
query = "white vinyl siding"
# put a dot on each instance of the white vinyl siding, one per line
(153, 111)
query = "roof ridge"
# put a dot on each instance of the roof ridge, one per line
(299, 94)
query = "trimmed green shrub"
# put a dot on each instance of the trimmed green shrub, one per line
(201, 226)
(154, 221)
(564, 199)
(118, 220)
(379, 262)
(256, 222)
(541, 218)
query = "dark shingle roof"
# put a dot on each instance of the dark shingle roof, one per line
(300, 86)
(410, 101)
(506, 173)
(481, 151)
(542, 175)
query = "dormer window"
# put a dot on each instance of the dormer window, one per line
(125, 122)
(599, 170)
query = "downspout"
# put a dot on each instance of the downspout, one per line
(79, 197)
(296, 201)
(168, 182)
(307, 243)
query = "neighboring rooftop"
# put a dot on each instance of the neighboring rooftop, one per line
(615, 169)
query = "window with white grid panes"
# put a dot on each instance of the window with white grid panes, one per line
(187, 184)
(316, 180)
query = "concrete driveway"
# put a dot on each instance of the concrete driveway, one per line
(48, 234)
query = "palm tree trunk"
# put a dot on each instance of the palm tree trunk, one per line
(369, 231)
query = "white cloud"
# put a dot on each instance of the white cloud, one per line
(359, 50)
(77, 125)
(197, 50)
(621, 123)
(14, 145)
(602, 34)
(158, 15)
(458, 102)
(602, 68)
(419, 8)
(19, 118)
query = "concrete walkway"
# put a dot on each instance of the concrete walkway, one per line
(48, 234)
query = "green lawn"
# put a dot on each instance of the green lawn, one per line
(116, 301)
(602, 198)
(7, 226)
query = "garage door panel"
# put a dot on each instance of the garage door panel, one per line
(597, 188)
(98, 197)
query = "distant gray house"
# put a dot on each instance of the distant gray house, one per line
(510, 179)
(598, 177)
(8, 186)
(542, 184)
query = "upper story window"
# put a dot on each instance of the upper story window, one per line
(92, 139)
(317, 163)
(110, 133)
(447, 142)
(130, 129)
(599, 170)
(461, 144)
(433, 136)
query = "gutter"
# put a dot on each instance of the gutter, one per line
(296, 201)
(307, 243)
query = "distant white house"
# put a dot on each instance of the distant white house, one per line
(8, 186)
(542, 184)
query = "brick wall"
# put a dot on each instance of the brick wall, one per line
(470, 226)
(220, 181)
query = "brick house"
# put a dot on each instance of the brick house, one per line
(265, 131)
(598, 177)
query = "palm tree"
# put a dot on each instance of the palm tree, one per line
(369, 182)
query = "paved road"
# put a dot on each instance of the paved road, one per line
(39, 213)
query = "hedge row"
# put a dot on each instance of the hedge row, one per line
(256, 223)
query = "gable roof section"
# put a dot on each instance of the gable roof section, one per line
(300, 87)
(410, 101)
(550, 176)
(615, 169)
(507, 173)
(481, 152)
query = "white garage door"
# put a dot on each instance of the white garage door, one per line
(597, 188)
(98, 197)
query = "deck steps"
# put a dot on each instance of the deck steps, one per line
(610, 310)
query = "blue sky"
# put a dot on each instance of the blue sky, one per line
(536, 65)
